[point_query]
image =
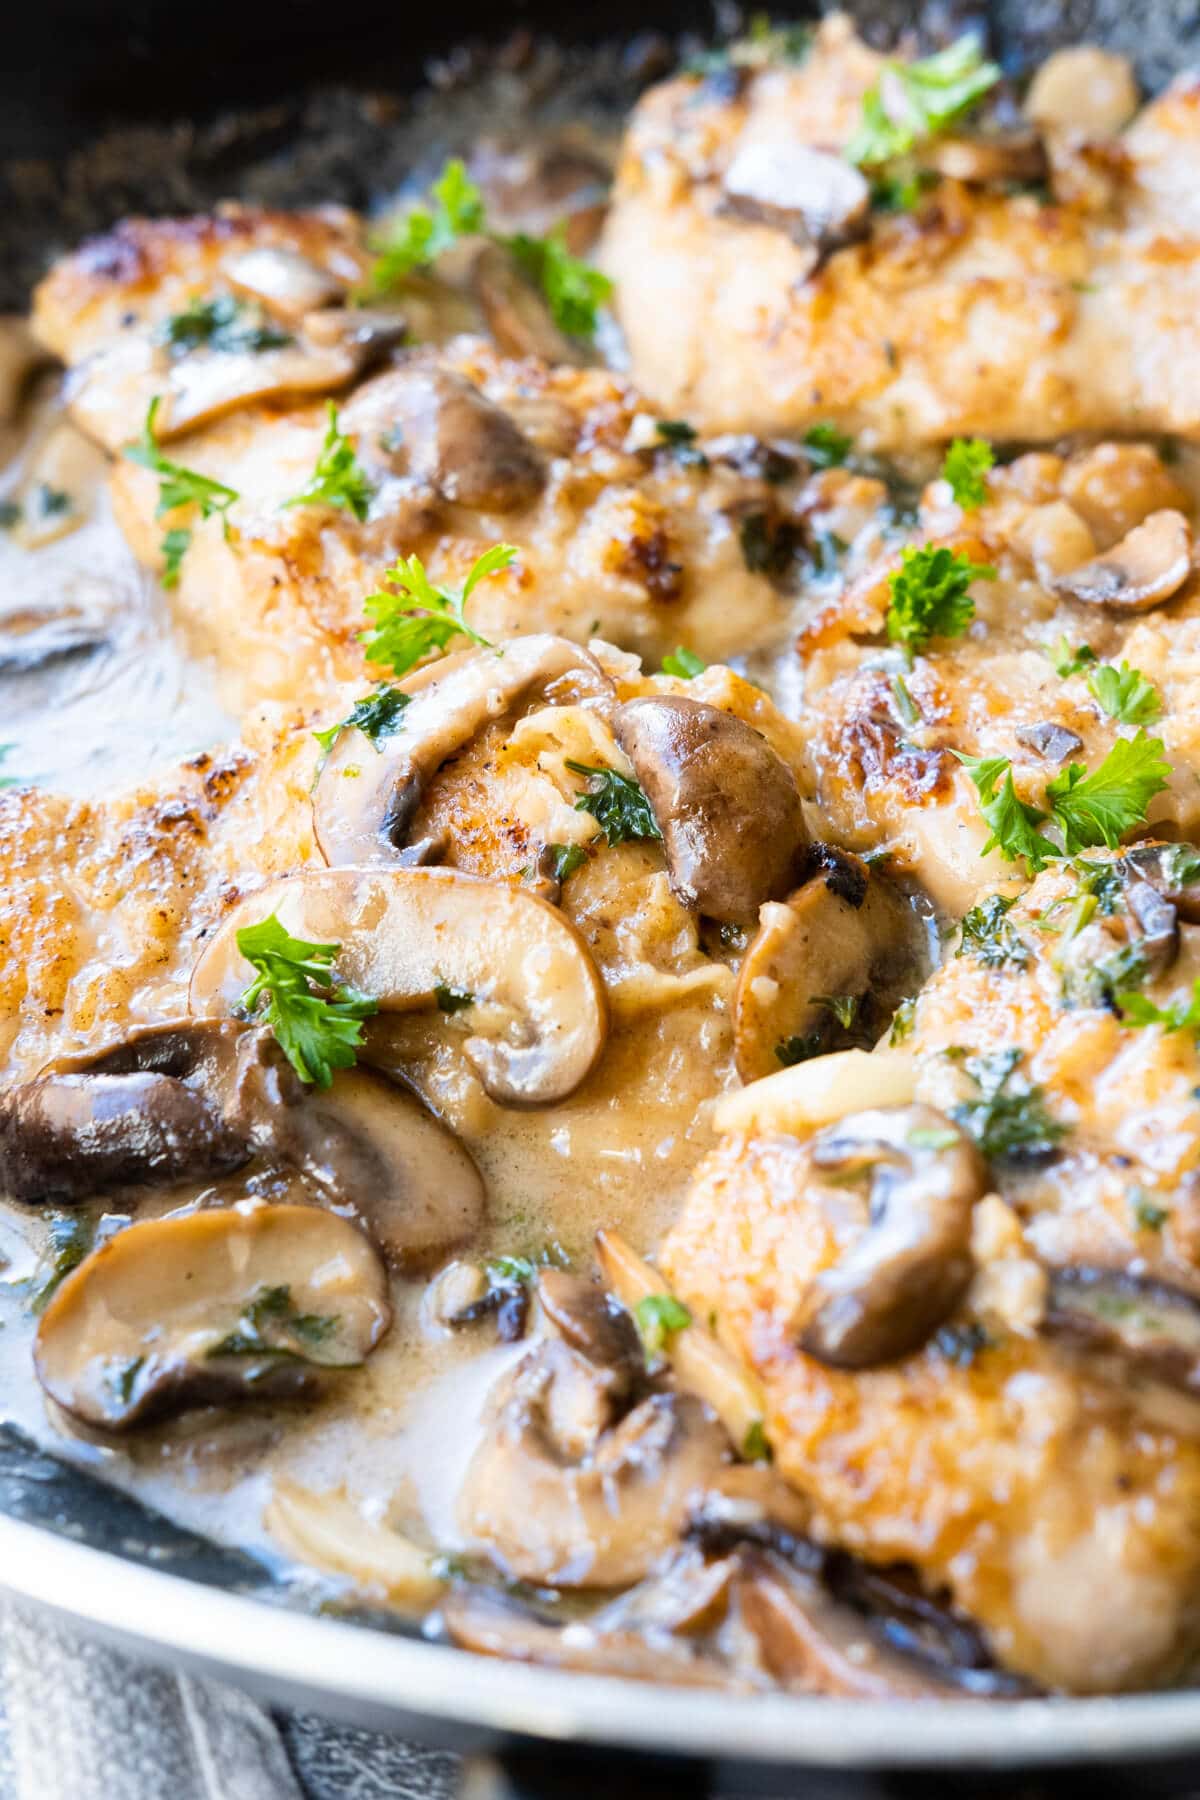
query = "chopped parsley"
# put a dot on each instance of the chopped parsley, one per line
(1179, 1015)
(222, 323)
(317, 1032)
(69, 1242)
(1068, 661)
(271, 1326)
(680, 437)
(929, 597)
(990, 937)
(903, 1020)
(1014, 823)
(178, 486)
(1125, 694)
(573, 290)
(965, 468)
(914, 101)
(755, 1447)
(617, 803)
(10, 515)
(1147, 1215)
(827, 447)
(683, 663)
(378, 716)
(795, 1050)
(339, 478)
(1007, 1117)
(844, 1007)
(906, 706)
(452, 1000)
(415, 618)
(658, 1318)
(565, 859)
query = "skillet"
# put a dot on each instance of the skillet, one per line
(145, 105)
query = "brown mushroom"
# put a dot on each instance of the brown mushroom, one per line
(1136, 937)
(585, 1318)
(911, 1265)
(845, 936)
(1053, 742)
(1010, 156)
(1083, 88)
(560, 1491)
(1172, 870)
(367, 820)
(816, 197)
(207, 1307)
(286, 283)
(1150, 563)
(20, 356)
(1149, 1323)
(727, 806)
(470, 451)
(515, 312)
(536, 996)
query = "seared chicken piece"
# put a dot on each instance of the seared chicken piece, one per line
(1001, 1368)
(984, 310)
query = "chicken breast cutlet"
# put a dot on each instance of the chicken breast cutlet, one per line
(994, 307)
(994, 1386)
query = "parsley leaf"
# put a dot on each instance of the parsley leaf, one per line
(1013, 822)
(574, 291)
(680, 437)
(565, 859)
(617, 803)
(965, 468)
(827, 447)
(1007, 1117)
(844, 1007)
(1125, 694)
(683, 663)
(223, 323)
(417, 618)
(795, 1050)
(1068, 662)
(339, 478)
(991, 938)
(929, 595)
(317, 1032)
(914, 101)
(1180, 1015)
(378, 716)
(69, 1242)
(755, 1447)
(422, 235)
(452, 1000)
(903, 1020)
(658, 1317)
(1097, 808)
(178, 486)
(271, 1326)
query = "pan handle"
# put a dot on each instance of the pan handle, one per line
(540, 1771)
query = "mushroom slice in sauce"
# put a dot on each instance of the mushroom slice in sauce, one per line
(285, 282)
(328, 1531)
(468, 449)
(514, 312)
(158, 1107)
(1151, 563)
(208, 1307)
(367, 820)
(563, 1490)
(910, 1267)
(406, 933)
(1147, 1322)
(727, 806)
(844, 934)
(1016, 156)
(815, 196)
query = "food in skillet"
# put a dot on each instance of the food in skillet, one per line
(853, 1005)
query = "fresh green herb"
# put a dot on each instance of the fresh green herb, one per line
(10, 515)
(452, 1000)
(422, 235)
(827, 447)
(902, 191)
(800, 1049)
(69, 1242)
(680, 437)
(1147, 1215)
(122, 1378)
(574, 291)
(932, 1137)
(1125, 694)
(1007, 1117)
(317, 1032)
(771, 42)
(658, 1317)
(222, 323)
(415, 618)
(965, 468)
(903, 1020)
(1014, 823)
(1106, 982)
(271, 1326)
(1102, 882)
(565, 859)
(178, 486)
(683, 663)
(991, 938)
(844, 1007)
(51, 502)
(914, 101)
(755, 1447)
(1068, 661)
(1096, 809)
(617, 803)
(339, 479)
(378, 716)
(1180, 1015)
(929, 595)
(906, 706)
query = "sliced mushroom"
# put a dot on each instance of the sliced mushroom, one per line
(1084, 87)
(586, 1319)
(283, 281)
(815, 196)
(1151, 563)
(727, 806)
(159, 1107)
(1149, 1323)
(844, 935)
(367, 819)
(20, 356)
(1137, 938)
(911, 1266)
(405, 933)
(451, 436)
(328, 1531)
(801, 1099)
(516, 314)
(208, 1307)
(1012, 156)
(1172, 870)
(1053, 742)
(561, 1492)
